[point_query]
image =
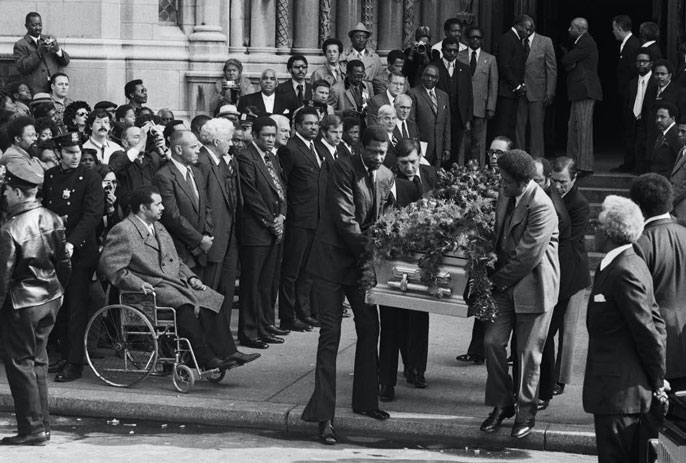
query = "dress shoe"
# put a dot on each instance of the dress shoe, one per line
(57, 366)
(542, 404)
(216, 363)
(416, 378)
(376, 414)
(295, 325)
(272, 329)
(311, 321)
(386, 393)
(28, 439)
(496, 418)
(520, 430)
(271, 339)
(327, 434)
(558, 388)
(240, 358)
(70, 372)
(255, 343)
(478, 359)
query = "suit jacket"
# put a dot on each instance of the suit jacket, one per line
(36, 66)
(459, 90)
(530, 244)
(78, 195)
(663, 248)
(286, 101)
(323, 72)
(433, 128)
(371, 61)
(339, 242)
(654, 50)
(664, 154)
(626, 66)
(540, 70)
(626, 349)
(132, 174)
(132, 256)
(261, 202)
(225, 206)
(255, 100)
(484, 81)
(306, 180)
(186, 220)
(406, 192)
(411, 131)
(577, 261)
(564, 250)
(428, 178)
(375, 103)
(678, 178)
(510, 64)
(581, 64)
(343, 98)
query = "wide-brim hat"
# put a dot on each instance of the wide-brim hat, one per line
(228, 109)
(359, 27)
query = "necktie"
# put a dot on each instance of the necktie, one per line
(406, 134)
(451, 68)
(472, 62)
(300, 95)
(275, 178)
(191, 182)
(418, 185)
(659, 93)
(316, 155)
(372, 186)
(434, 103)
(640, 94)
(527, 48)
(660, 140)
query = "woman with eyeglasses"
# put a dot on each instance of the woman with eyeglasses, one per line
(75, 115)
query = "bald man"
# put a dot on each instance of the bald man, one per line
(583, 90)
(263, 100)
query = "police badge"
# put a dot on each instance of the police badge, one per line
(66, 193)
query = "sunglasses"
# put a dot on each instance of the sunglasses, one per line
(82, 113)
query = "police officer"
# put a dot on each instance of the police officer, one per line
(32, 279)
(75, 193)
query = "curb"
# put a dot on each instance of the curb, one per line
(459, 431)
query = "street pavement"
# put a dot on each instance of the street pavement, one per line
(271, 392)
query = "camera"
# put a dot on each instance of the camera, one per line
(420, 47)
(108, 189)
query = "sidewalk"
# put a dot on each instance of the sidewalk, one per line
(272, 392)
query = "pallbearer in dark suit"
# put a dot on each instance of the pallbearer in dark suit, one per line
(306, 169)
(401, 329)
(358, 187)
(220, 180)
(75, 193)
(261, 232)
(663, 248)
(34, 274)
(626, 348)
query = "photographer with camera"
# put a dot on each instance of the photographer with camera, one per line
(418, 55)
(38, 56)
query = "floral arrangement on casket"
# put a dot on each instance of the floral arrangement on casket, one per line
(458, 218)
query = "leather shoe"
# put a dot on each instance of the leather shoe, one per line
(28, 439)
(311, 321)
(327, 434)
(255, 343)
(386, 393)
(70, 372)
(479, 360)
(271, 339)
(416, 378)
(376, 414)
(542, 404)
(520, 430)
(496, 418)
(558, 388)
(57, 366)
(296, 325)
(272, 329)
(240, 358)
(216, 363)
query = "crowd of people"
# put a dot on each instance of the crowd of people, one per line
(277, 184)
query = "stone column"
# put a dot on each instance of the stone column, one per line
(408, 21)
(236, 30)
(368, 21)
(262, 26)
(347, 15)
(305, 27)
(324, 20)
(283, 41)
(390, 36)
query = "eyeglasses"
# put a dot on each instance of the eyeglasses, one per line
(82, 113)
(491, 152)
(302, 66)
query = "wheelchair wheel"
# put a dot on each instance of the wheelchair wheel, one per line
(216, 377)
(121, 345)
(183, 378)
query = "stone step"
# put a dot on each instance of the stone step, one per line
(606, 180)
(597, 194)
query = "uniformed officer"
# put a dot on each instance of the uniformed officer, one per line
(34, 273)
(75, 193)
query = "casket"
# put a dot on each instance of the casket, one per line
(399, 285)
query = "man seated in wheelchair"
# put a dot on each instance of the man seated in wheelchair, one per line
(139, 255)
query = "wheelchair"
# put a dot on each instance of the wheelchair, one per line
(126, 342)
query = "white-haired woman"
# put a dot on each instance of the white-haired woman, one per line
(626, 349)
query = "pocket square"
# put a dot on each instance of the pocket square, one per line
(599, 298)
